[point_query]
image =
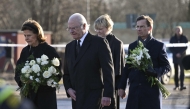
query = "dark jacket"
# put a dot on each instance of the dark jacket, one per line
(118, 56)
(181, 50)
(83, 73)
(45, 98)
(141, 94)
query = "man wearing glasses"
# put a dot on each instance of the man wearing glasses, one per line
(85, 58)
(141, 94)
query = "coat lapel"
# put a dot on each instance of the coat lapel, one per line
(84, 47)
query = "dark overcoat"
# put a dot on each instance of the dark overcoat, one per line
(45, 98)
(141, 94)
(83, 73)
(175, 50)
(118, 56)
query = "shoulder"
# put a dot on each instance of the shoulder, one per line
(157, 42)
(46, 46)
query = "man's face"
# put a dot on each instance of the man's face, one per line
(75, 29)
(142, 29)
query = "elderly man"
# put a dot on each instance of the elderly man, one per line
(85, 58)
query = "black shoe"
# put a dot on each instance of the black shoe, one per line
(182, 88)
(176, 88)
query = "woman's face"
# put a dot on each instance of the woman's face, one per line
(102, 32)
(31, 38)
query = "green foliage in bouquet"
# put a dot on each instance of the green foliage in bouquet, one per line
(140, 59)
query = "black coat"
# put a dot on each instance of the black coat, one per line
(83, 73)
(118, 56)
(141, 94)
(175, 50)
(45, 98)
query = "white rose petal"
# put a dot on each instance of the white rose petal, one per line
(37, 79)
(38, 74)
(27, 75)
(36, 68)
(44, 62)
(38, 60)
(31, 77)
(46, 74)
(44, 58)
(52, 70)
(55, 62)
(32, 62)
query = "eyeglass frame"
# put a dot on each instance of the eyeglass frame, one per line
(73, 28)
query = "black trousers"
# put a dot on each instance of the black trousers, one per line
(176, 76)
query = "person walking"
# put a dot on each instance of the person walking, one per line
(103, 26)
(88, 67)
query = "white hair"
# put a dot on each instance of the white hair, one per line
(80, 18)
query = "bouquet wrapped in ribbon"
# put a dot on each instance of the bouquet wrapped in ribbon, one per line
(140, 59)
(39, 71)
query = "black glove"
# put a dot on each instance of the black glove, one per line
(151, 72)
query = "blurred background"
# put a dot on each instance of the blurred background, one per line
(53, 15)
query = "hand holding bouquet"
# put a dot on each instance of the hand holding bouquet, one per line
(140, 59)
(39, 71)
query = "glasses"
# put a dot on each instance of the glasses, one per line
(140, 27)
(73, 28)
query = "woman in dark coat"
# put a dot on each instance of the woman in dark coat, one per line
(103, 26)
(45, 97)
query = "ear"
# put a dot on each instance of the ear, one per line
(84, 26)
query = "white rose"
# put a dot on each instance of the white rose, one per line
(52, 70)
(32, 62)
(49, 82)
(37, 79)
(38, 74)
(44, 62)
(31, 77)
(25, 69)
(29, 70)
(36, 68)
(46, 74)
(55, 62)
(53, 85)
(27, 75)
(44, 57)
(38, 60)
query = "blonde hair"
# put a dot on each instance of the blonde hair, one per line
(180, 29)
(35, 27)
(104, 21)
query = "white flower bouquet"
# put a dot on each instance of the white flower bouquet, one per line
(140, 59)
(39, 71)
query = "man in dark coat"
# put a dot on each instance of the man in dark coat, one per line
(141, 94)
(85, 58)
(103, 26)
(178, 54)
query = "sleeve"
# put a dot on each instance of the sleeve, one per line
(183, 49)
(119, 62)
(172, 49)
(106, 63)
(164, 65)
(66, 75)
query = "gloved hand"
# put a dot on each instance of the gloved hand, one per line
(151, 72)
